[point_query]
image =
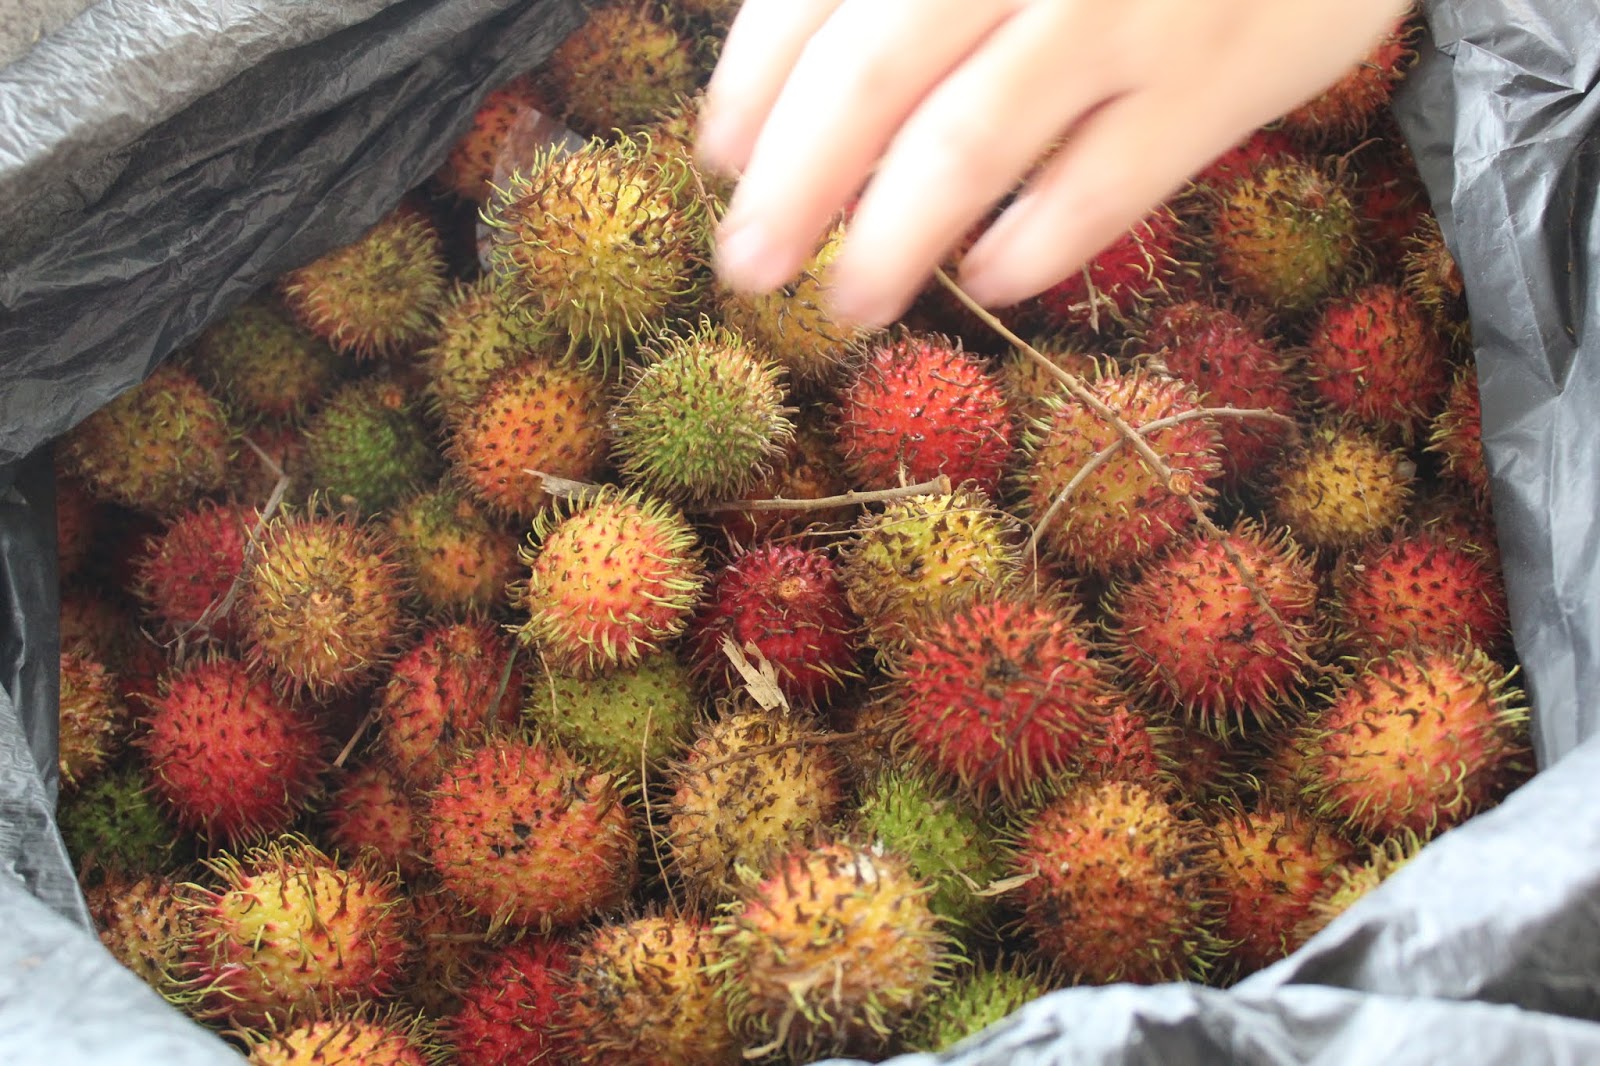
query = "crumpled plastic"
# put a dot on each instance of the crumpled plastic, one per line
(201, 149)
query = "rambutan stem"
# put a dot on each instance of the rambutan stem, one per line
(939, 486)
(350, 745)
(785, 745)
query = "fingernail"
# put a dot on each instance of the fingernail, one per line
(713, 143)
(747, 260)
(849, 304)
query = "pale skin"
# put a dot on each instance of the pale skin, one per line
(935, 110)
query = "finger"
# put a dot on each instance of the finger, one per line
(969, 143)
(761, 47)
(858, 78)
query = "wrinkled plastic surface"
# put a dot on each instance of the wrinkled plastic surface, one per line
(277, 130)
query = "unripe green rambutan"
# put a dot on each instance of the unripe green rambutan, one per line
(626, 721)
(793, 323)
(92, 713)
(144, 922)
(831, 952)
(290, 932)
(460, 561)
(976, 1000)
(323, 602)
(1123, 512)
(753, 784)
(1122, 887)
(114, 824)
(619, 69)
(1419, 741)
(158, 447)
(946, 840)
(702, 419)
(376, 296)
(369, 446)
(1341, 487)
(184, 575)
(261, 364)
(1352, 881)
(600, 243)
(641, 993)
(481, 332)
(537, 416)
(370, 810)
(922, 558)
(1285, 235)
(526, 834)
(609, 581)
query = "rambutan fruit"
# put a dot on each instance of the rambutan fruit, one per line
(916, 407)
(459, 559)
(1390, 198)
(370, 811)
(1341, 487)
(600, 243)
(113, 823)
(346, 1041)
(703, 419)
(537, 416)
(789, 604)
(369, 446)
(289, 932)
(1350, 882)
(481, 332)
(1456, 435)
(77, 514)
(1123, 511)
(1233, 363)
(793, 324)
(510, 1014)
(454, 686)
(609, 581)
(641, 992)
(523, 832)
(831, 952)
(977, 999)
(625, 721)
(143, 922)
(922, 558)
(1285, 236)
(1129, 272)
(1420, 741)
(468, 171)
(184, 575)
(229, 758)
(454, 947)
(374, 297)
(1262, 148)
(1424, 587)
(323, 602)
(1375, 355)
(1002, 695)
(1345, 109)
(157, 447)
(1131, 746)
(945, 838)
(1433, 279)
(809, 469)
(619, 69)
(106, 629)
(1271, 864)
(1122, 887)
(268, 454)
(753, 784)
(1029, 386)
(92, 715)
(1219, 627)
(261, 364)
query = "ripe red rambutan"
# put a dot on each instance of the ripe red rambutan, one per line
(1424, 587)
(509, 1016)
(1376, 355)
(189, 569)
(1133, 269)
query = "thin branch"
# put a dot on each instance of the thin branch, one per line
(816, 741)
(350, 745)
(936, 486)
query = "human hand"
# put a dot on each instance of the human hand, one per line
(940, 108)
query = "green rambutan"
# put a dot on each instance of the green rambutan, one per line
(183, 577)
(918, 406)
(704, 417)
(1426, 587)
(157, 447)
(369, 446)
(524, 833)
(468, 171)
(534, 418)
(1419, 741)
(1375, 356)
(1342, 486)
(977, 999)
(510, 1014)
(92, 716)
(459, 559)
(1120, 886)
(609, 581)
(619, 69)
(1122, 512)
(641, 992)
(376, 296)
(1029, 386)
(1221, 628)
(599, 244)
(346, 1041)
(229, 758)
(261, 364)
(481, 332)
(113, 823)
(831, 952)
(626, 721)
(1285, 235)
(323, 602)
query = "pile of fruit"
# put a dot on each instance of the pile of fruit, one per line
(535, 652)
